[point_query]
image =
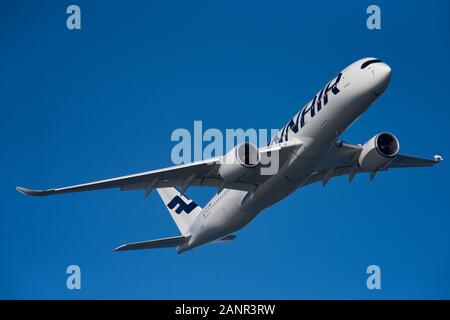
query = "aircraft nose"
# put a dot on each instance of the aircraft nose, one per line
(383, 72)
(382, 77)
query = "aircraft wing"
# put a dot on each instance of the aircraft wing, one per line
(200, 173)
(343, 160)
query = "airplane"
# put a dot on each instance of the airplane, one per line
(308, 150)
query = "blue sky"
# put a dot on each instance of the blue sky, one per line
(103, 101)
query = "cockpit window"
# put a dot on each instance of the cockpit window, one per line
(369, 62)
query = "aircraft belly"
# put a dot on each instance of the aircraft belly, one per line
(226, 217)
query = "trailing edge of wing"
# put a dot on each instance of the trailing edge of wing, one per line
(154, 244)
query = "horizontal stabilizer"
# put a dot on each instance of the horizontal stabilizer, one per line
(154, 244)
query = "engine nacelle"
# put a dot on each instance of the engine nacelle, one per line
(239, 161)
(378, 151)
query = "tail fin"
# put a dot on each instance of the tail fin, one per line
(183, 210)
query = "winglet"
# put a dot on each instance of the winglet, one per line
(30, 192)
(120, 248)
(438, 158)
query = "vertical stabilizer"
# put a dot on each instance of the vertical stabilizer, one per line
(183, 210)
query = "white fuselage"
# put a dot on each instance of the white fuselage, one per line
(318, 126)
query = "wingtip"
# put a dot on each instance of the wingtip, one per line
(119, 248)
(30, 192)
(438, 158)
(19, 189)
(22, 190)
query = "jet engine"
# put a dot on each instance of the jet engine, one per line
(239, 161)
(378, 151)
